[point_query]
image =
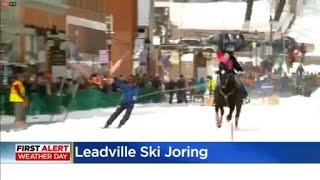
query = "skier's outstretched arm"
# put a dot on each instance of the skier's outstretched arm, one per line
(119, 84)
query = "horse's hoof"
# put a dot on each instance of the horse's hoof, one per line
(236, 122)
(219, 123)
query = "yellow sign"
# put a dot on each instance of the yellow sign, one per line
(207, 55)
(175, 56)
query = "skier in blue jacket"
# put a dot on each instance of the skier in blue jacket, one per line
(130, 94)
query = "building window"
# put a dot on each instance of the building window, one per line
(34, 45)
(28, 43)
(180, 0)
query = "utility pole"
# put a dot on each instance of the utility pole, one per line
(271, 39)
(256, 47)
(109, 31)
(108, 44)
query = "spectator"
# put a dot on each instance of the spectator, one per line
(171, 85)
(201, 88)
(156, 82)
(211, 85)
(181, 93)
(19, 100)
(303, 51)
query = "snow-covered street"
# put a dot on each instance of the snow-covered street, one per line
(294, 119)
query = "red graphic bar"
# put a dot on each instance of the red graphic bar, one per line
(38, 156)
(5, 4)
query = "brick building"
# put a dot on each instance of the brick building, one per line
(25, 26)
(86, 26)
(125, 28)
(83, 21)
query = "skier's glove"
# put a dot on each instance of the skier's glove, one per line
(134, 98)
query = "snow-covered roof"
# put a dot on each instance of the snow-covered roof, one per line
(85, 23)
(218, 15)
(305, 29)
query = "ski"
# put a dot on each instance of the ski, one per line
(15, 128)
(111, 127)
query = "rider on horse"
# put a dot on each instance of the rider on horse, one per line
(229, 64)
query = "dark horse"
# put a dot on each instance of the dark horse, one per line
(227, 94)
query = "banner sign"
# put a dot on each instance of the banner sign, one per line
(160, 152)
(103, 56)
(57, 57)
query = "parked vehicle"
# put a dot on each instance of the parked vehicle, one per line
(277, 45)
(227, 41)
(194, 44)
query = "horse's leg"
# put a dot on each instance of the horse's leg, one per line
(217, 114)
(221, 116)
(231, 107)
(238, 111)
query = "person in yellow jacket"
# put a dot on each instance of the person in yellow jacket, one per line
(211, 83)
(19, 100)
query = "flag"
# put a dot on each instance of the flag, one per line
(143, 57)
(166, 62)
(76, 56)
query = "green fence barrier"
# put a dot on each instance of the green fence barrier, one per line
(85, 99)
(94, 98)
(6, 108)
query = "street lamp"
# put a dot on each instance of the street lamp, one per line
(271, 35)
(108, 43)
(181, 51)
(271, 41)
(147, 46)
(256, 46)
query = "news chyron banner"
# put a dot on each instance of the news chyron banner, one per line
(25, 152)
(160, 152)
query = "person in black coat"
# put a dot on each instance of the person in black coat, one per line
(229, 63)
(171, 86)
(181, 93)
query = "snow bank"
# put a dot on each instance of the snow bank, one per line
(304, 30)
(312, 68)
(316, 95)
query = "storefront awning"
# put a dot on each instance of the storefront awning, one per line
(5, 47)
(85, 23)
